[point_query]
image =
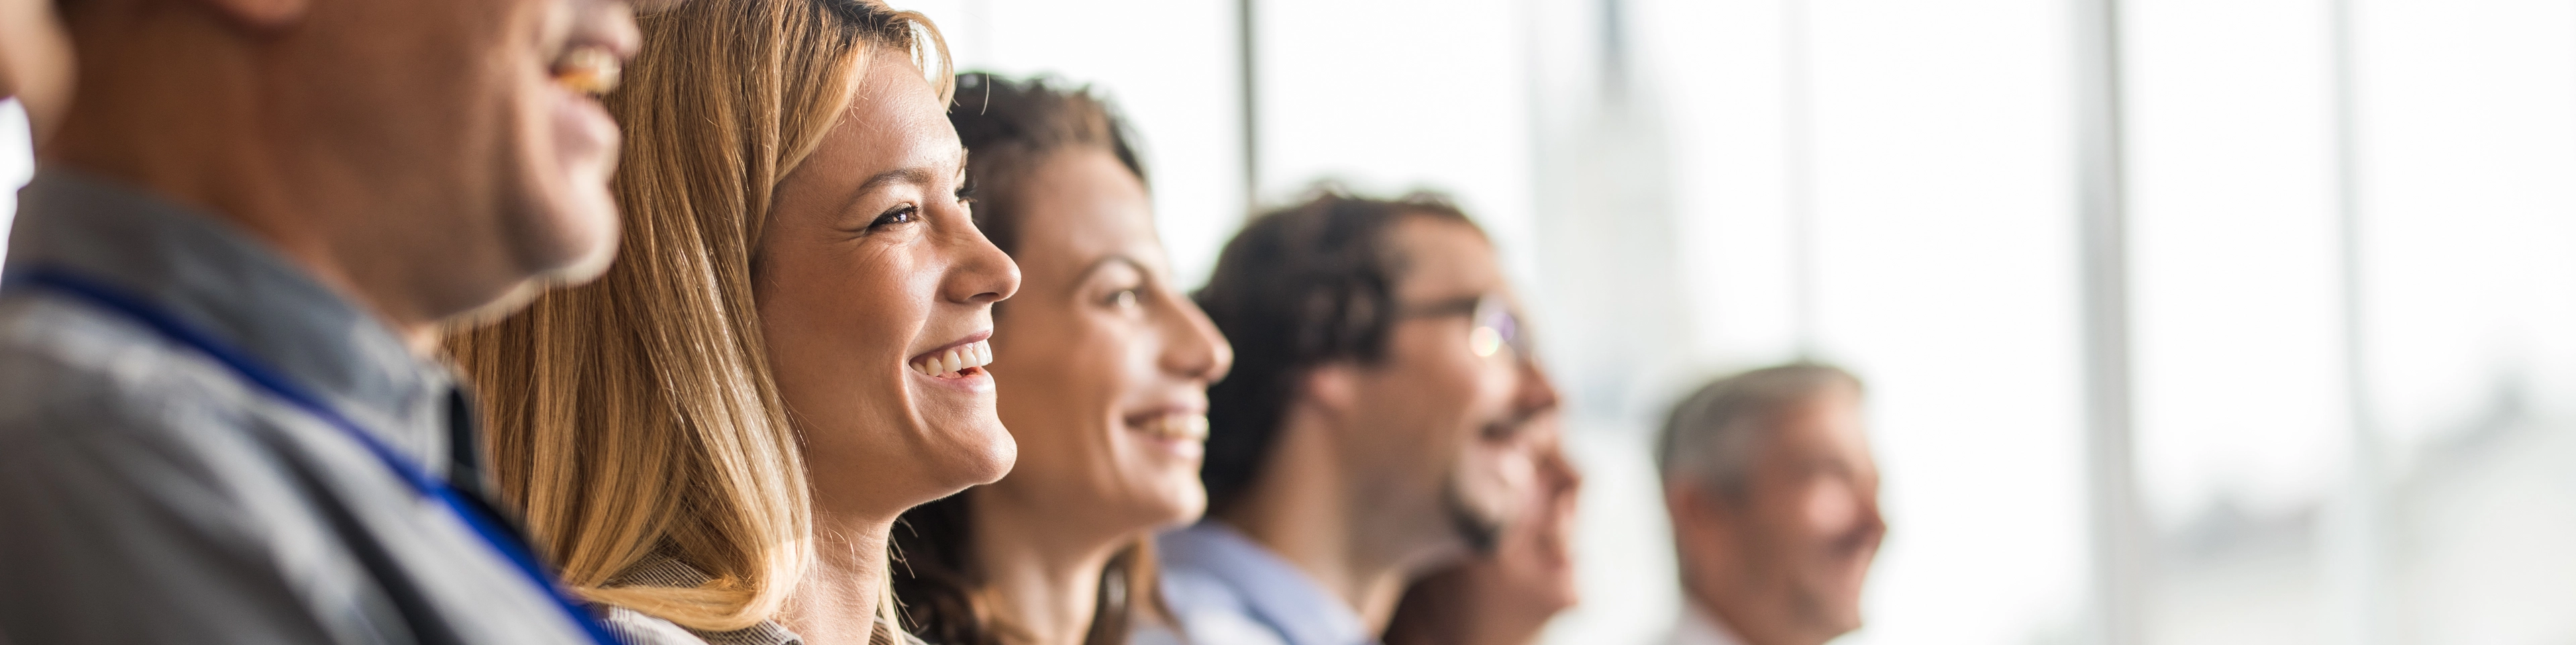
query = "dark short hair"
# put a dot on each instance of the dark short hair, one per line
(1298, 287)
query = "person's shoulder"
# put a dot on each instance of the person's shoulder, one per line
(95, 414)
(631, 627)
(117, 497)
(1155, 635)
(1189, 590)
(66, 369)
(1212, 628)
(1208, 612)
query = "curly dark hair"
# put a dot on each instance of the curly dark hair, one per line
(1009, 127)
(1299, 287)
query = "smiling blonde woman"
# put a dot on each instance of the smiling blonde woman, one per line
(714, 439)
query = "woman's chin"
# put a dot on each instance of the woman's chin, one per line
(978, 453)
(1179, 502)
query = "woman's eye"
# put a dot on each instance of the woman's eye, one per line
(1123, 299)
(904, 214)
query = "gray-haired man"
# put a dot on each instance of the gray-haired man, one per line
(1774, 504)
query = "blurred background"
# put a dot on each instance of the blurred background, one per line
(2186, 321)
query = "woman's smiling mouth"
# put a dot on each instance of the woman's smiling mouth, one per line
(1176, 432)
(956, 361)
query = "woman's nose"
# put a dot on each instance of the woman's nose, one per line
(983, 274)
(1196, 350)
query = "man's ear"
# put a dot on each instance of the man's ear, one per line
(1681, 503)
(1332, 388)
(260, 15)
(1696, 513)
(1706, 545)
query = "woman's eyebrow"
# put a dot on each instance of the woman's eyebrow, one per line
(910, 175)
(914, 175)
(1107, 260)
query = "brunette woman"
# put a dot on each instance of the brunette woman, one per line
(1106, 364)
(714, 438)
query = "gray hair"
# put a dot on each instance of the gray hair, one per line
(1712, 436)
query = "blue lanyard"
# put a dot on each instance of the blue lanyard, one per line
(276, 384)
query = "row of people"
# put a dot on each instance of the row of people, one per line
(303, 283)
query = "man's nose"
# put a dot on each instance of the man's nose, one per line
(1536, 392)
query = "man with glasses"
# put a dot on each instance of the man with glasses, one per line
(1375, 427)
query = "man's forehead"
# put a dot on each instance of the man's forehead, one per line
(1829, 420)
(1442, 258)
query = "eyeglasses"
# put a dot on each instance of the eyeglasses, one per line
(1497, 328)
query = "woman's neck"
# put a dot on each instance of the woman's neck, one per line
(1044, 580)
(836, 603)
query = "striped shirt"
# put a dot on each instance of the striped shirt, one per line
(637, 628)
(149, 495)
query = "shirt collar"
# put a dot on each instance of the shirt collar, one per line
(1274, 590)
(223, 281)
(1697, 627)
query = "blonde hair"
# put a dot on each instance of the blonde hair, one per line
(636, 416)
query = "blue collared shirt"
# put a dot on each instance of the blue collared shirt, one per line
(1226, 589)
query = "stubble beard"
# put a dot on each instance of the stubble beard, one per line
(1480, 531)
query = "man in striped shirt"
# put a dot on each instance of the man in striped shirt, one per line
(221, 415)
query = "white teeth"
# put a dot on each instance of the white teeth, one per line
(947, 363)
(1185, 427)
(588, 70)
